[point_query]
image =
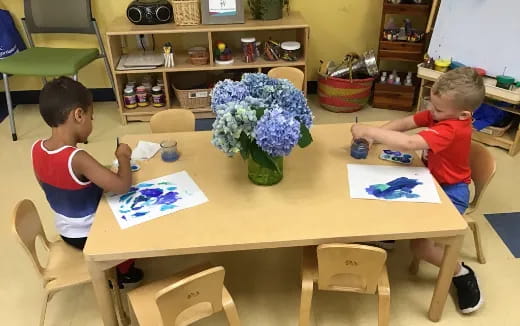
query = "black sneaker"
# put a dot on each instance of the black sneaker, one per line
(468, 292)
(130, 279)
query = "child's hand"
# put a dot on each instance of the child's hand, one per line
(123, 152)
(358, 131)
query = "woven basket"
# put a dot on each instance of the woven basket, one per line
(496, 131)
(193, 98)
(186, 12)
(344, 95)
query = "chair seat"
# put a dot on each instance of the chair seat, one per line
(142, 299)
(66, 266)
(48, 61)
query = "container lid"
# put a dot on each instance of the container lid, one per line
(291, 46)
(197, 49)
(141, 88)
(248, 39)
(442, 62)
(505, 79)
(156, 89)
(480, 71)
(129, 90)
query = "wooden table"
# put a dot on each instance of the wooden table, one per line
(310, 206)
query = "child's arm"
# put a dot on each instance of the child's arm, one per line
(85, 165)
(404, 124)
(391, 138)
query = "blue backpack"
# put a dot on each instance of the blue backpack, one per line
(10, 40)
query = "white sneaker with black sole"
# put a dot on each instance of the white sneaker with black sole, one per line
(468, 292)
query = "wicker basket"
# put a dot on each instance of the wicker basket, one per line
(186, 12)
(344, 95)
(496, 131)
(193, 98)
(199, 56)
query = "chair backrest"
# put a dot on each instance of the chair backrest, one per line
(173, 120)
(192, 298)
(350, 267)
(294, 75)
(59, 16)
(483, 167)
(28, 227)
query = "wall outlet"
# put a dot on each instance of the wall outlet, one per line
(143, 41)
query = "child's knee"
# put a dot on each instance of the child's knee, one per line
(421, 247)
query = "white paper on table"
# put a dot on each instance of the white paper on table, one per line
(145, 150)
(151, 199)
(362, 176)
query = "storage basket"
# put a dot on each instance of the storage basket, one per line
(496, 131)
(190, 89)
(186, 12)
(344, 95)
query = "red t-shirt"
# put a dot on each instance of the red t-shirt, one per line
(450, 144)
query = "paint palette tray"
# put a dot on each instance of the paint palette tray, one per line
(396, 157)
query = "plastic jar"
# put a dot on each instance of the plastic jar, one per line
(130, 98)
(169, 151)
(290, 51)
(142, 96)
(158, 98)
(248, 49)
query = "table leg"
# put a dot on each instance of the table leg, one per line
(102, 292)
(449, 262)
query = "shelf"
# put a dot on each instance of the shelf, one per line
(145, 113)
(406, 9)
(182, 63)
(506, 141)
(493, 92)
(121, 26)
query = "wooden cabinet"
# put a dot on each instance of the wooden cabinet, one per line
(122, 32)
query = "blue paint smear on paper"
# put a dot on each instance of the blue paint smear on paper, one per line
(142, 199)
(397, 188)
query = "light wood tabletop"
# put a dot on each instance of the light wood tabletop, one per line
(310, 206)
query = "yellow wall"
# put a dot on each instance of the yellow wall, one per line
(337, 27)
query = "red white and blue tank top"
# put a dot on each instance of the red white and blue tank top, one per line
(74, 202)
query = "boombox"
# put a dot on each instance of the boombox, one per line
(150, 12)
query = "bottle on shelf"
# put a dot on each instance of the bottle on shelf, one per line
(130, 98)
(158, 99)
(142, 96)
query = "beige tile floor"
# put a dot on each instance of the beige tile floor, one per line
(265, 284)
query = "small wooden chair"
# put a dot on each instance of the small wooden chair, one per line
(483, 167)
(345, 267)
(172, 120)
(294, 75)
(184, 298)
(65, 267)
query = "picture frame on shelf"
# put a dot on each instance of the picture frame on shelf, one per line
(222, 12)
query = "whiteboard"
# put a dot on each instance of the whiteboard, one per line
(479, 33)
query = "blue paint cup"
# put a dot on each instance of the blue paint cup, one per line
(169, 151)
(359, 148)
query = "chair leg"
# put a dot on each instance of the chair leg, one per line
(229, 308)
(306, 302)
(116, 297)
(477, 238)
(10, 107)
(44, 308)
(383, 309)
(414, 266)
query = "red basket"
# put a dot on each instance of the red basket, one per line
(344, 95)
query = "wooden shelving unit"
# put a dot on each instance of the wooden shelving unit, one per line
(510, 141)
(121, 31)
(399, 97)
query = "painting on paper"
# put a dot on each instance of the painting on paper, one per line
(155, 198)
(394, 183)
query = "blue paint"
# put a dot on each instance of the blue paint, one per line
(123, 211)
(144, 185)
(171, 188)
(359, 148)
(398, 188)
(168, 198)
(138, 214)
(169, 156)
(153, 192)
(167, 207)
(123, 217)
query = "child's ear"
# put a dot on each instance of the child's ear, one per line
(79, 115)
(465, 115)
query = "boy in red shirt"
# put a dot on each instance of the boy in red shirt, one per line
(446, 147)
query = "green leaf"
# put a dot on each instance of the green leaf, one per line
(305, 136)
(259, 112)
(262, 158)
(245, 143)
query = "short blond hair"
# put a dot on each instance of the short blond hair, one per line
(464, 85)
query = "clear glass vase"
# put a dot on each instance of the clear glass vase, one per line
(264, 176)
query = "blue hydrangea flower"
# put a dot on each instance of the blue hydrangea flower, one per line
(255, 84)
(232, 119)
(277, 132)
(227, 91)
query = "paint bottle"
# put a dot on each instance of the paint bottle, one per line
(130, 98)
(142, 96)
(359, 148)
(397, 80)
(169, 151)
(158, 99)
